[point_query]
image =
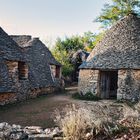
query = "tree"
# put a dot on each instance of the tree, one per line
(88, 38)
(72, 43)
(64, 49)
(120, 8)
(60, 53)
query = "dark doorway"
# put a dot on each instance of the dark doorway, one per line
(108, 84)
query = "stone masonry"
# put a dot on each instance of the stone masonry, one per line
(88, 81)
(115, 58)
(129, 84)
(25, 68)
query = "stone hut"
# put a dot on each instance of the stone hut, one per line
(112, 70)
(44, 71)
(27, 68)
(13, 70)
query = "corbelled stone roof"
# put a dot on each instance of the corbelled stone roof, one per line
(39, 60)
(9, 49)
(120, 47)
(25, 41)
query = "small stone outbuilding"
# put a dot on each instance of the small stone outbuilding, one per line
(27, 68)
(11, 72)
(112, 70)
(44, 71)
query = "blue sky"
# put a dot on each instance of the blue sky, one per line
(48, 19)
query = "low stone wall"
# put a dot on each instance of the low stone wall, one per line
(17, 132)
(25, 93)
(88, 81)
(41, 91)
(128, 84)
(6, 98)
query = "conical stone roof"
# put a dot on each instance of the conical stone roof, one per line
(39, 60)
(9, 49)
(120, 47)
(25, 41)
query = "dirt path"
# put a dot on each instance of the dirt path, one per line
(37, 111)
(40, 111)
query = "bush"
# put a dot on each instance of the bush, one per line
(67, 70)
(83, 123)
(75, 123)
(88, 96)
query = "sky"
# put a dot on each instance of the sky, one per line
(49, 19)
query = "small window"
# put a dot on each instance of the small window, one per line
(23, 70)
(57, 72)
(53, 71)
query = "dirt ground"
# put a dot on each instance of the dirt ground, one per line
(37, 111)
(40, 111)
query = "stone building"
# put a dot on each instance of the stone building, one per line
(11, 71)
(112, 70)
(44, 71)
(27, 67)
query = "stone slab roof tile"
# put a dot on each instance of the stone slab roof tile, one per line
(39, 60)
(9, 49)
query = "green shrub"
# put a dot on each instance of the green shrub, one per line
(88, 96)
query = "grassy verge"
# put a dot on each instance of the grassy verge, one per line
(88, 96)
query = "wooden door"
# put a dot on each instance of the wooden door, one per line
(108, 84)
(105, 83)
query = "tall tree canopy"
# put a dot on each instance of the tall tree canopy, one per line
(65, 48)
(112, 13)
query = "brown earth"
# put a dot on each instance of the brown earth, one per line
(37, 111)
(40, 111)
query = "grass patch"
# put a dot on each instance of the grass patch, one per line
(88, 96)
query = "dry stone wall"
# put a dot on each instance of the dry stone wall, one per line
(88, 81)
(17, 132)
(6, 98)
(19, 87)
(128, 84)
(41, 91)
